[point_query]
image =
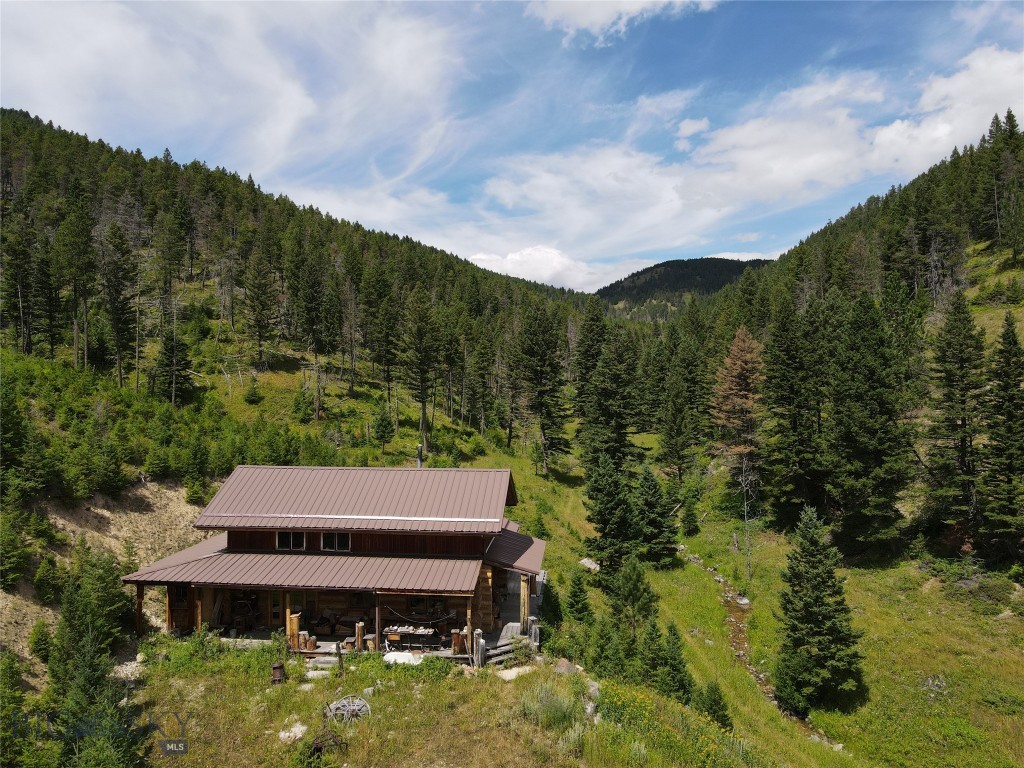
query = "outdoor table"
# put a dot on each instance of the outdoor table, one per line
(409, 634)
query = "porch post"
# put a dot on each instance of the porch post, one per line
(469, 626)
(199, 607)
(168, 617)
(138, 609)
(524, 602)
(377, 626)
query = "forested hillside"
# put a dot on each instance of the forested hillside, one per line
(671, 281)
(864, 395)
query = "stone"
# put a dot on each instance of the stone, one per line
(590, 565)
(140, 657)
(306, 687)
(367, 692)
(742, 601)
(590, 708)
(317, 674)
(593, 690)
(564, 667)
(324, 661)
(837, 747)
(508, 675)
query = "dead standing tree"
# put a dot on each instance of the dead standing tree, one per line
(735, 411)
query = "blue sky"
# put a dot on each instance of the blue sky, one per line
(570, 143)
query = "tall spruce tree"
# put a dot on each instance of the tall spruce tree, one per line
(867, 440)
(577, 602)
(589, 342)
(1003, 454)
(260, 300)
(631, 597)
(792, 430)
(609, 413)
(117, 271)
(655, 523)
(419, 353)
(542, 377)
(818, 663)
(609, 511)
(683, 422)
(954, 459)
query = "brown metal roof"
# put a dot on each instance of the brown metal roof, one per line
(362, 499)
(209, 564)
(516, 551)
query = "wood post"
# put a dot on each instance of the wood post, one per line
(138, 609)
(524, 602)
(378, 628)
(167, 620)
(360, 630)
(479, 647)
(293, 629)
(198, 607)
(469, 625)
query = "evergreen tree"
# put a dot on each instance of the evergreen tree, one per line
(542, 378)
(818, 663)
(792, 431)
(958, 370)
(12, 700)
(383, 426)
(711, 701)
(736, 397)
(683, 420)
(419, 353)
(550, 606)
(675, 679)
(171, 377)
(605, 658)
(609, 416)
(633, 601)
(39, 639)
(577, 602)
(117, 270)
(1003, 454)
(260, 300)
(867, 440)
(589, 343)
(47, 580)
(73, 245)
(608, 510)
(655, 522)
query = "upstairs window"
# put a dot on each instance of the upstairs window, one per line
(291, 540)
(335, 542)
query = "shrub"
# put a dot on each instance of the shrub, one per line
(544, 706)
(711, 702)
(476, 446)
(47, 580)
(252, 395)
(39, 640)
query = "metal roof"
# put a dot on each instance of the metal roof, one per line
(516, 552)
(362, 499)
(208, 564)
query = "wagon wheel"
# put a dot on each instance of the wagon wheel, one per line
(347, 709)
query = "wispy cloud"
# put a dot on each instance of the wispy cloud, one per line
(606, 19)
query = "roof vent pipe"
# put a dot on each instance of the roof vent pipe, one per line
(419, 455)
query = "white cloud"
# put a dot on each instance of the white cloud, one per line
(688, 128)
(607, 18)
(549, 265)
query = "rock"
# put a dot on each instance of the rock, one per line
(593, 690)
(401, 657)
(590, 565)
(709, 641)
(317, 674)
(837, 747)
(293, 734)
(815, 737)
(324, 661)
(140, 657)
(508, 675)
(367, 692)
(719, 579)
(590, 708)
(306, 687)
(742, 601)
(564, 667)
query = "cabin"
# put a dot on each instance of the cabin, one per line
(340, 547)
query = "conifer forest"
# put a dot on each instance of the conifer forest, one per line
(830, 430)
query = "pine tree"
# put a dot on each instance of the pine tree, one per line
(589, 343)
(260, 300)
(654, 521)
(792, 430)
(608, 510)
(711, 701)
(542, 378)
(818, 663)
(867, 439)
(117, 270)
(76, 256)
(683, 421)
(171, 377)
(958, 370)
(577, 602)
(675, 680)
(1003, 454)
(633, 601)
(11, 702)
(608, 418)
(383, 426)
(419, 353)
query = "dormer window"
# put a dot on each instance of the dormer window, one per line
(291, 540)
(335, 542)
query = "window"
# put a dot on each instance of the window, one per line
(335, 542)
(179, 599)
(291, 540)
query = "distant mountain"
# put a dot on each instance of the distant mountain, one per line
(670, 280)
